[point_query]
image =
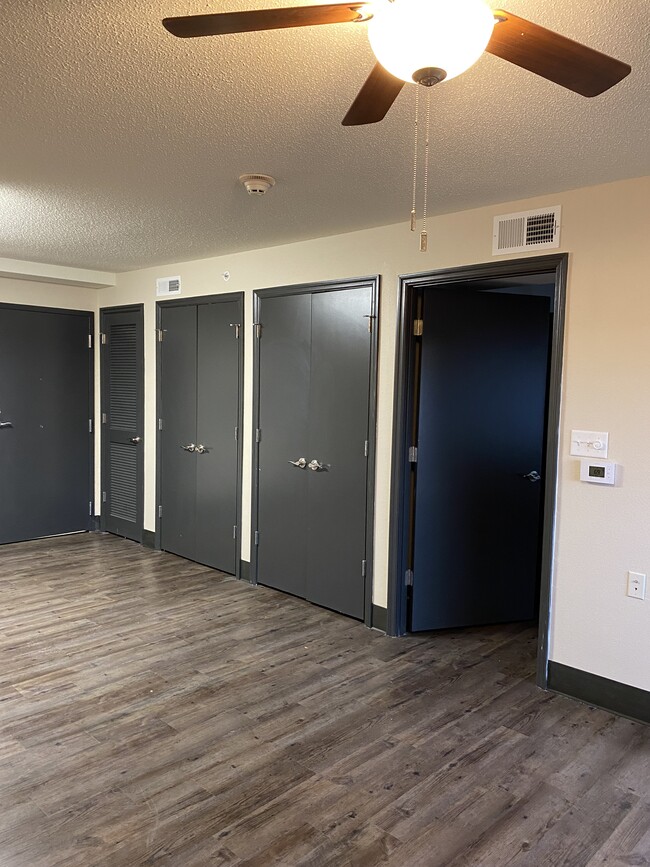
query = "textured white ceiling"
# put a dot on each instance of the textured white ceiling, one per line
(120, 146)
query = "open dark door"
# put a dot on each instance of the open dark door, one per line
(122, 375)
(482, 411)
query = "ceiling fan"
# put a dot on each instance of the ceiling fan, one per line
(426, 42)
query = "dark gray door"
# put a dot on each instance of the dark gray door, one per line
(481, 430)
(338, 435)
(217, 409)
(45, 413)
(178, 436)
(314, 383)
(284, 376)
(200, 407)
(122, 356)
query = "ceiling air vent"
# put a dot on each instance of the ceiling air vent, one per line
(528, 230)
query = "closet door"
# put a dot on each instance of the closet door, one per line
(178, 437)
(217, 407)
(200, 407)
(338, 436)
(122, 382)
(284, 376)
(314, 382)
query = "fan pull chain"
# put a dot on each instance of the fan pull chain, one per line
(423, 234)
(415, 159)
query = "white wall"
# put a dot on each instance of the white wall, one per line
(601, 532)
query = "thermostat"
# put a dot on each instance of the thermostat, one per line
(600, 472)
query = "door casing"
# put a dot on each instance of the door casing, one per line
(311, 289)
(186, 302)
(403, 409)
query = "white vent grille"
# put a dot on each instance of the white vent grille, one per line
(528, 230)
(168, 286)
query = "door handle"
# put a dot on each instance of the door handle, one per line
(532, 476)
(301, 463)
(189, 448)
(315, 465)
(136, 440)
(6, 424)
(200, 449)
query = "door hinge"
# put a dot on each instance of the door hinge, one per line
(234, 532)
(102, 337)
(418, 327)
(258, 329)
(236, 433)
(160, 511)
(159, 334)
(364, 564)
(257, 537)
(370, 317)
(160, 424)
(413, 454)
(90, 508)
(104, 418)
(236, 326)
(365, 449)
(408, 577)
(258, 435)
(90, 425)
(103, 496)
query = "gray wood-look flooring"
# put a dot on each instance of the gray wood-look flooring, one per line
(153, 711)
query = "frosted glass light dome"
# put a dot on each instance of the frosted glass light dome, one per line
(409, 35)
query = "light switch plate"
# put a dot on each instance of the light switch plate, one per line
(589, 443)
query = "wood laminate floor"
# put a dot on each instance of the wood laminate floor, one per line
(155, 712)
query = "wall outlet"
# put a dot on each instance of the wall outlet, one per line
(636, 585)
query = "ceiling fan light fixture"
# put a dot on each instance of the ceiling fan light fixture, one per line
(408, 36)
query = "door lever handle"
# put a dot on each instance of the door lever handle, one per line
(200, 449)
(532, 476)
(301, 463)
(189, 448)
(136, 440)
(6, 424)
(315, 465)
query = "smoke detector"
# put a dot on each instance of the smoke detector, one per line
(257, 185)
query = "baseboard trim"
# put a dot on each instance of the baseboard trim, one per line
(379, 618)
(245, 570)
(149, 539)
(628, 701)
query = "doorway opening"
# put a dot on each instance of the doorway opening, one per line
(475, 447)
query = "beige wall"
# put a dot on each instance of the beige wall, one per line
(601, 532)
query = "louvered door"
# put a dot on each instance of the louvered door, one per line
(122, 422)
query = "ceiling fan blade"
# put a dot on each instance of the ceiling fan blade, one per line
(554, 57)
(378, 93)
(220, 23)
